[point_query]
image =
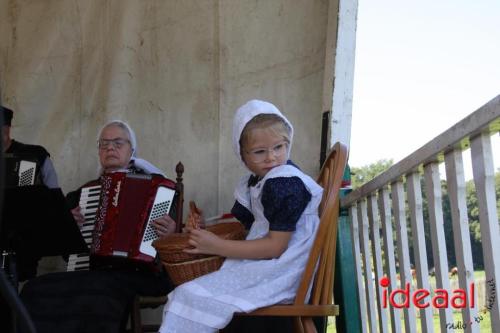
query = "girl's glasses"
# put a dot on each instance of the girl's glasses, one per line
(259, 155)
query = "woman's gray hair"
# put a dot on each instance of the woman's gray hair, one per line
(126, 127)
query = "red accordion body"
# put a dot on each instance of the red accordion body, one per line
(128, 204)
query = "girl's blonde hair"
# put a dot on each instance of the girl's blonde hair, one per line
(272, 122)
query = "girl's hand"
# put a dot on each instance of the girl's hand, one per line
(203, 241)
(164, 225)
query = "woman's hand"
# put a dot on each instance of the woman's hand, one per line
(203, 241)
(78, 216)
(164, 225)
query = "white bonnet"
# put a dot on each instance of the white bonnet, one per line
(247, 112)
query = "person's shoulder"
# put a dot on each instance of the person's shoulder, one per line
(290, 175)
(28, 148)
(286, 170)
(40, 149)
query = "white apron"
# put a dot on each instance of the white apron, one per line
(245, 285)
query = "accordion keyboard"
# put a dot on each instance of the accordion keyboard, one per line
(89, 202)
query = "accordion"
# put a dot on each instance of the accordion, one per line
(122, 233)
(19, 172)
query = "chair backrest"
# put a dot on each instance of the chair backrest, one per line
(323, 249)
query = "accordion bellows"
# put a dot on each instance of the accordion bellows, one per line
(183, 267)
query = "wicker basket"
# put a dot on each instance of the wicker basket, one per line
(183, 267)
(170, 248)
(189, 270)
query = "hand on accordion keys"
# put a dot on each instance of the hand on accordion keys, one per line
(78, 216)
(164, 225)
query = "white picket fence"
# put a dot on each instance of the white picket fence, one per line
(379, 209)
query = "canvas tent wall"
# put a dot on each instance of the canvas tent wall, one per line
(176, 70)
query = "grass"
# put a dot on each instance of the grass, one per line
(484, 319)
(484, 324)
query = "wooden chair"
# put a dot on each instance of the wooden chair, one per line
(179, 186)
(320, 303)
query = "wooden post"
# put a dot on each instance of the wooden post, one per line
(345, 290)
(179, 186)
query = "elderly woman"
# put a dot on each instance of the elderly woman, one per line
(98, 300)
(117, 152)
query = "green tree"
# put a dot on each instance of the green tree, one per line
(474, 224)
(364, 174)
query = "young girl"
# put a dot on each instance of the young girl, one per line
(279, 203)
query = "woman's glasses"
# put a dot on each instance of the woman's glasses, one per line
(259, 155)
(116, 143)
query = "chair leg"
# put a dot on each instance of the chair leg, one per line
(309, 326)
(135, 316)
(297, 325)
